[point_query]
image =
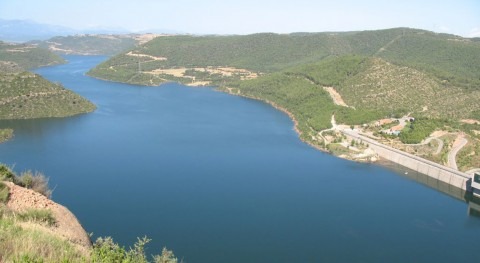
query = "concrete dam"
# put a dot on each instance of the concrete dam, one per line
(436, 171)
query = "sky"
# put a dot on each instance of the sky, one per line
(459, 17)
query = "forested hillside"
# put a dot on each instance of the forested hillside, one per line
(28, 56)
(375, 74)
(448, 58)
(24, 95)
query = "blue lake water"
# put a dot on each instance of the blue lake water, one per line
(219, 178)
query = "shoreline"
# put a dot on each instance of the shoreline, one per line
(282, 109)
(379, 161)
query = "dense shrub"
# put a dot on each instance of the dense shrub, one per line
(35, 181)
(6, 173)
(105, 250)
(420, 129)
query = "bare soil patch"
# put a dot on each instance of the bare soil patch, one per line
(67, 225)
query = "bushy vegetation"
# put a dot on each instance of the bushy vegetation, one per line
(5, 135)
(105, 250)
(332, 71)
(311, 105)
(420, 129)
(6, 173)
(35, 181)
(451, 59)
(384, 86)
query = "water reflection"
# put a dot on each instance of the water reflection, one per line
(473, 201)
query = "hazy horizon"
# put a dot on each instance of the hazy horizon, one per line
(246, 17)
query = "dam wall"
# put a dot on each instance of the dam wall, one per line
(436, 171)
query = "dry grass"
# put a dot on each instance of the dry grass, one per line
(37, 181)
(19, 244)
(4, 193)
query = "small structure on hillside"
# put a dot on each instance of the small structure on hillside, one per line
(391, 132)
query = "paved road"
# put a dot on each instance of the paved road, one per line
(459, 143)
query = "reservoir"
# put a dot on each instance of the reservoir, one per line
(220, 178)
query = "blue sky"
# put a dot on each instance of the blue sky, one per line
(460, 17)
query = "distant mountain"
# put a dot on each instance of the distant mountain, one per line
(25, 30)
(93, 44)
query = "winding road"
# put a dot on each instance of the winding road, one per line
(459, 143)
(428, 140)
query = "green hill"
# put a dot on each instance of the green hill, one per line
(264, 53)
(24, 95)
(28, 56)
(394, 70)
(375, 74)
(448, 58)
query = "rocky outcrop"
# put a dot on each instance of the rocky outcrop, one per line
(67, 225)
